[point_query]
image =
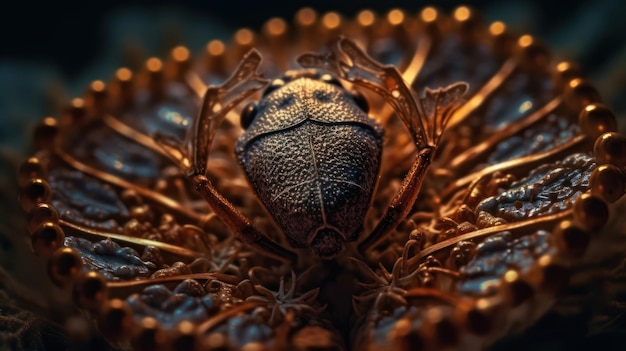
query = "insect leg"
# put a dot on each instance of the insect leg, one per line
(239, 224)
(425, 118)
(217, 102)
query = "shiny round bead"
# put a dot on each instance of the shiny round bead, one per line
(610, 148)
(39, 214)
(35, 192)
(591, 212)
(148, 336)
(179, 63)
(47, 238)
(608, 182)
(443, 328)
(122, 87)
(154, 77)
(501, 39)
(554, 276)
(596, 119)
(532, 54)
(45, 133)
(516, 289)
(469, 24)
(116, 319)
(216, 342)
(564, 72)
(30, 169)
(478, 320)
(432, 20)
(96, 97)
(64, 265)
(75, 112)
(90, 291)
(184, 337)
(579, 93)
(316, 338)
(405, 337)
(570, 239)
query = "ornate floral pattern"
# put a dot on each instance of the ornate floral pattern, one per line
(522, 198)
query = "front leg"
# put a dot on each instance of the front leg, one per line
(217, 102)
(425, 119)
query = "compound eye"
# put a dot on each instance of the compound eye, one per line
(247, 114)
(361, 101)
(276, 83)
(327, 78)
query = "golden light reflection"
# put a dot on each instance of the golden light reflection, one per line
(154, 64)
(462, 13)
(180, 53)
(276, 26)
(97, 86)
(306, 16)
(525, 41)
(78, 103)
(124, 74)
(366, 18)
(563, 66)
(395, 17)
(215, 48)
(244, 37)
(497, 28)
(331, 20)
(429, 14)
(511, 276)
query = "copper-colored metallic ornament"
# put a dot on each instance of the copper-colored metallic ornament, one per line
(524, 193)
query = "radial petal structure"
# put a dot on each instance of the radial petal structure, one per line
(520, 211)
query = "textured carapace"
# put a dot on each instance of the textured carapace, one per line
(312, 156)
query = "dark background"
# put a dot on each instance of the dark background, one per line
(69, 34)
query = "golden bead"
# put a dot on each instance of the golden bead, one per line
(64, 266)
(570, 240)
(564, 72)
(30, 169)
(47, 238)
(579, 93)
(36, 191)
(39, 214)
(184, 337)
(122, 88)
(516, 290)
(96, 97)
(608, 182)
(90, 291)
(610, 148)
(591, 211)
(116, 319)
(554, 276)
(45, 133)
(443, 328)
(596, 119)
(477, 318)
(531, 53)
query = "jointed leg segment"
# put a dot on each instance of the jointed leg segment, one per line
(425, 118)
(216, 103)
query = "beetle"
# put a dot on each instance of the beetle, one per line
(312, 155)
(310, 152)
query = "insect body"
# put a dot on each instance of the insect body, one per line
(312, 155)
(311, 152)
